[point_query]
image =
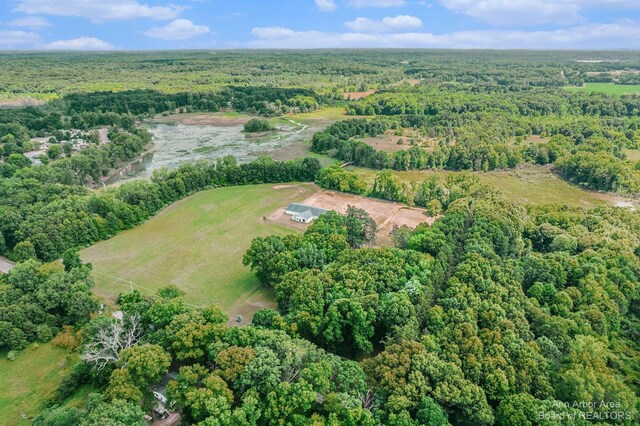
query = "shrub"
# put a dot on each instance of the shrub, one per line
(256, 125)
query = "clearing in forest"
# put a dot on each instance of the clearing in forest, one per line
(610, 88)
(355, 96)
(197, 244)
(529, 185)
(386, 214)
(399, 140)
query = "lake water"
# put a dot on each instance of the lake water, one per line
(176, 144)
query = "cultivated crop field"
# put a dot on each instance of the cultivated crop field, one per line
(197, 244)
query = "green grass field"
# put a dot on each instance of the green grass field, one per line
(614, 89)
(197, 244)
(526, 185)
(328, 114)
(29, 379)
(537, 185)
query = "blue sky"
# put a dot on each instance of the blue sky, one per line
(221, 24)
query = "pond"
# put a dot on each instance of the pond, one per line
(177, 143)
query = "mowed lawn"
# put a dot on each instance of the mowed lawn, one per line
(197, 244)
(29, 379)
(614, 89)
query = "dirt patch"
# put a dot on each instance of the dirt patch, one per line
(385, 213)
(249, 304)
(393, 141)
(20, 102)
(354, 96)
(203, 119)
(285, 186)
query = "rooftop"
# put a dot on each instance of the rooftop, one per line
(305, 215)
(302, 208)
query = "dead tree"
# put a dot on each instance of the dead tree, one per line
(105, 346)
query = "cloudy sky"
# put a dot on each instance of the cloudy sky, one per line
(218, 24)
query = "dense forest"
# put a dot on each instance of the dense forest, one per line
(330, 72)
(497, 314)
(586, 133)
(494, 315)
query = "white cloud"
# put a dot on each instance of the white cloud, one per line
(532, 12)
(18, 39)
(624, 35)
(361, 4)
(32, 22)
(273, 33)
(180, 29)
(400, 22)
(81, 43)
(326, 5)
(98, 10)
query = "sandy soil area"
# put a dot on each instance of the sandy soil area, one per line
(385, 213)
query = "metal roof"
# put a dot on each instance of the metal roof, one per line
(301, 208)
(305, 215)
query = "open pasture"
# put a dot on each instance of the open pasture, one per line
(197, 244)
(528, 185)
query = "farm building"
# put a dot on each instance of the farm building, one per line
(303, 213)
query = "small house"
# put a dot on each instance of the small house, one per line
(304, 214)
(160, 388)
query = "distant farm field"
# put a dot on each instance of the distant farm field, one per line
(29, 379)
(615, 89)
(197, 244)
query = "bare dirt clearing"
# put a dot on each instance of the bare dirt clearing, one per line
(385, 213)
(392, 141)
(20, 102)
(354, 96)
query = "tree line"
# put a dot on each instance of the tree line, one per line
(43, 212)
(492, 314)
(584, 156)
